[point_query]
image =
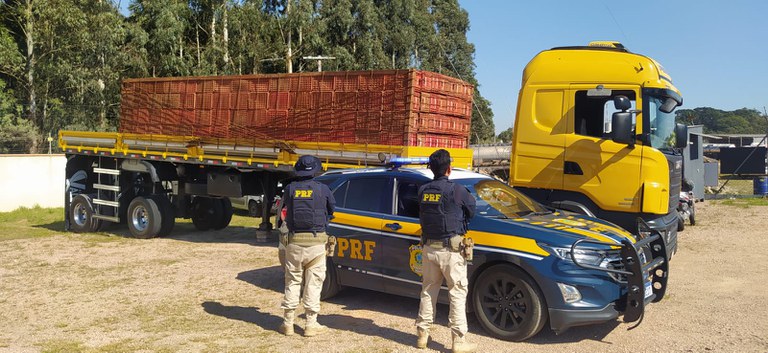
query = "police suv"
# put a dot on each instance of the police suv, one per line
(531, 264)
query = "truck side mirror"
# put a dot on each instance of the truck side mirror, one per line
(681, 136)
(622, 103)
(623, 130)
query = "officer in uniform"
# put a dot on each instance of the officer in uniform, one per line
(444, 209)
(310, 206)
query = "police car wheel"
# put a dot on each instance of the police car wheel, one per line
(331, 285)
(508, 304)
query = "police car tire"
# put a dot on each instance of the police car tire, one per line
(81, 208)
(226, 214)
(331, 285)
(151, 212)
(509, 276)
(167, 214)
(206, 212)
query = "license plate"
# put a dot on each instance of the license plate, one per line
(648, 289)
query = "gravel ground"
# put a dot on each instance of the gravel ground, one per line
(220, 292)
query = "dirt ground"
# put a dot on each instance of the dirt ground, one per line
(220, 292)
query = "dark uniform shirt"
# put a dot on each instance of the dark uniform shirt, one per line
(309, 204)
(445, 208)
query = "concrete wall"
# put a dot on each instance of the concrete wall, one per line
(29, 180)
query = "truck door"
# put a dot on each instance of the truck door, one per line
(606, 172)
(537, 153)
(360, 203)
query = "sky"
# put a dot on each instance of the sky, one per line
(715, 51)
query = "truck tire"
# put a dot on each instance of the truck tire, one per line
(81, 215)
(206, 213)
(144, 218)
(226, 215)
(167, 214)
(506, 287)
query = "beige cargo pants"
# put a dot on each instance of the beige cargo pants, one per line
(298, 255)
(439, 262)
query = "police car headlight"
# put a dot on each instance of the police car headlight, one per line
(583, 256)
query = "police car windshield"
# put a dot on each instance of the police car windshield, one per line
(498, 200)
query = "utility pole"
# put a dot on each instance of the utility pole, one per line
(319, 60)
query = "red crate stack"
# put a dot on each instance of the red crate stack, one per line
(395, 107)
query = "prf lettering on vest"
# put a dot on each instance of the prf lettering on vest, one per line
(432, 197)
(354, 248)
(303, 194)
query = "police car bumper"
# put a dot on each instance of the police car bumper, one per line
(562, 319)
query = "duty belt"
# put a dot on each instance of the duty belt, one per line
(440, 243)
(307, 238)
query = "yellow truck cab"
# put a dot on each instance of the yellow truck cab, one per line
(595, 133)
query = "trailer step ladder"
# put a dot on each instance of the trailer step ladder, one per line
(106, 203)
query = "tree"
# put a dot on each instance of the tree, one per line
(716, 121)
(165, 22)
(17, 135)
(506, 136)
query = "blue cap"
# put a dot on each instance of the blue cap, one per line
(308, 166)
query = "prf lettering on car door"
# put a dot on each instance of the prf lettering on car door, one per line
(355, 249)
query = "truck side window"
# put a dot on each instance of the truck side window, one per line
(408, 198)
(593, 114)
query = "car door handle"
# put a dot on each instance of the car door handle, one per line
(394, 226)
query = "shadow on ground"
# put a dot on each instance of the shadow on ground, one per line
(355, 299)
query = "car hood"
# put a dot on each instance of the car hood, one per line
(568, 225)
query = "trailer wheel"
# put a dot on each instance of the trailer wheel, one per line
(81, 215)
(226, 214)
(167, 214)
(207, 213)
(508, 304)
(144, 218)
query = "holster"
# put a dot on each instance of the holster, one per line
(467, 248)
(330, 246)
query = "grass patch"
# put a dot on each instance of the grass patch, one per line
(62, 346)
(746, 202)
(32, 222)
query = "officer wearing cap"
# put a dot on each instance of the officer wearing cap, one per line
(310, 206)
(444, 209)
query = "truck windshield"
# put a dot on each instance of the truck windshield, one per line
(496, 199)
(662, 132)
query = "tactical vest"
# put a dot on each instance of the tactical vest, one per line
(439, 215)
(308, 212)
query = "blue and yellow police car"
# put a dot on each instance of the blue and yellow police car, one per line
(531, 265)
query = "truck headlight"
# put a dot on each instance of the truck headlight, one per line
(643, 230)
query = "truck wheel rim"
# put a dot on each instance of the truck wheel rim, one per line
(139, 218)
(505, 303)
(79, 215)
